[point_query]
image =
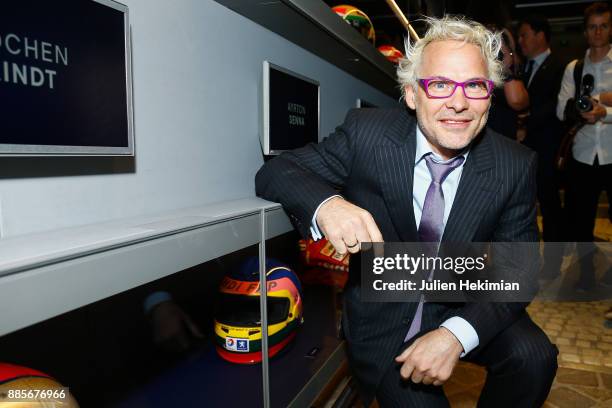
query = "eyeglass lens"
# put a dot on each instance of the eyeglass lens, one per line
(444, 88)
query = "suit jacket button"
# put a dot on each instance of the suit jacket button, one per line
(407, 321)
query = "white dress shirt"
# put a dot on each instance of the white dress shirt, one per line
(591, 140)
(461, 328)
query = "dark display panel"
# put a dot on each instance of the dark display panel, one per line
(65, 78)
(291, 110)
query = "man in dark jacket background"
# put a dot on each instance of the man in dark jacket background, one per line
(542, 76)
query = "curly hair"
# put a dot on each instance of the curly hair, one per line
(451, 28)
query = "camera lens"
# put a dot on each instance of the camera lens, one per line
(584, 104)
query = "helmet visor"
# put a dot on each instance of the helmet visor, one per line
(243, 311)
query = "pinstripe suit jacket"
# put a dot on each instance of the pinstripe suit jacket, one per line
(370, 161)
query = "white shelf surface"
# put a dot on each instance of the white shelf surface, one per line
(46, 274)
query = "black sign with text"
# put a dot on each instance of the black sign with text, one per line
(293, 110)
(64, 77)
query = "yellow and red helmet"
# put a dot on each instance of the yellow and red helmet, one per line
(237, 318)
(357, 19)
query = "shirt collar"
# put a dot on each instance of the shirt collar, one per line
(423, 148)
(588, 52)
(539, 59)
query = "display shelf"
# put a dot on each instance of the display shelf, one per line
(313, 26)
(47, 274)
(295, 378)
(204, 379)
(319, 381)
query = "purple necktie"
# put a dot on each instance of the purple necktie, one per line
(432, 222)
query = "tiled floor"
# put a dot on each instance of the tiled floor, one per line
(580, 332)
(584, 339)
(572, 388)
(584, 378)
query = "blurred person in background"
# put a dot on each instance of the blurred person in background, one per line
(542, 75)
(512, 97)
(589, 171)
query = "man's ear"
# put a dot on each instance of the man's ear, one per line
(410, 97)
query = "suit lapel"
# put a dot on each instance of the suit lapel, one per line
(395, 164)
(476, 190)
(541, 72)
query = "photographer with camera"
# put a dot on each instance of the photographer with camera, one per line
(589, 167)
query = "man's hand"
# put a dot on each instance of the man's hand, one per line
(345, 225)
(605, 98)
(431, 359)
(598, 112)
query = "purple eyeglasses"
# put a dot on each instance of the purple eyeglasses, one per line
(440, 87)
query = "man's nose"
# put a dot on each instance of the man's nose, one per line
(458, 101)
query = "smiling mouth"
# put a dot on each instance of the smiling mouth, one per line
(456, 123)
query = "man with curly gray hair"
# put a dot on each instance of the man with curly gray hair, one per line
(444, 177)
(452, 28)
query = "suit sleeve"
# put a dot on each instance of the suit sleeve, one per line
(517, 224)
(568, 88)
(303, 178)
(558, 74)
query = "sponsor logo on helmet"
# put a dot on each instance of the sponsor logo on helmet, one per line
(234, 344)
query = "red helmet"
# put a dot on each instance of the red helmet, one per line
(391, 53)
(26, 384)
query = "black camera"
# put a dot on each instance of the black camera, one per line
(574, 122)
(584, 102)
